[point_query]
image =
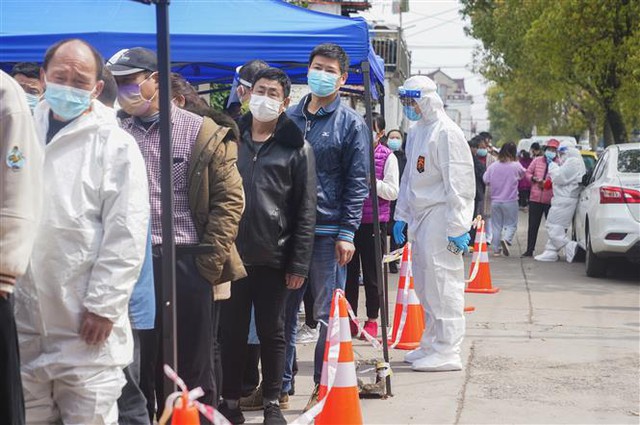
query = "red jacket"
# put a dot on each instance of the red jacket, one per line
(538, 170)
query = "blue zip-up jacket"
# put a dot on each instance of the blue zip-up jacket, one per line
(340, 140)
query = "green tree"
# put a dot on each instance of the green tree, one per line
(569, 62)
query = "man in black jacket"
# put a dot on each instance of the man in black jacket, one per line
(275, 239)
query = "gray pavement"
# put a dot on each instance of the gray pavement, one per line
(553, 346)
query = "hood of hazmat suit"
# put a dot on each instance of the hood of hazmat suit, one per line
(439, 165)
(436, 200)
(90, 245)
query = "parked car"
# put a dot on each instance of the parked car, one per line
(607, 220)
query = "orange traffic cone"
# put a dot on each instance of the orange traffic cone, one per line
(406, 333)
(185, 413)
(342, 404)
(481, 282)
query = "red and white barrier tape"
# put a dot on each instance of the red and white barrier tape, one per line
(215, 417)
(333, 333)
(483, 242)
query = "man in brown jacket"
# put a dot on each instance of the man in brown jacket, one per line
(208, 205)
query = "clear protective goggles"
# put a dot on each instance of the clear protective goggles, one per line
(409, 96)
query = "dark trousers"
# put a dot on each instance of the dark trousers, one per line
(251, 377)
(523, 197)
(365, 255)
(148, 354)
(195, 311)
(308, 310)
(264, 287)
(536, 210)
(11, 398)
(132, 406)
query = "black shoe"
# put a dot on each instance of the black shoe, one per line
(234, 416)
(527, 254)
(273, 415)
(393, 267)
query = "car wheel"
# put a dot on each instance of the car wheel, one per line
(596, 267)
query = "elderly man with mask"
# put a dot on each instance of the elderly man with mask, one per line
(566, 178)
(71, 305)
(436, 200)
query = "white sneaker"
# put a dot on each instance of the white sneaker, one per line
(416, 354)
(438, 363)
(307, 335)
(570, 250)
(547, 256)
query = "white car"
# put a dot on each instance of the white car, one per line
(607, 220)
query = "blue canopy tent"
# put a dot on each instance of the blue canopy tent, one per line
(208, 40)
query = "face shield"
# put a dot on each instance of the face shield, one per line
(408, 99)
(240, 90)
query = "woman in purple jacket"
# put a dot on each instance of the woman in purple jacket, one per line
(387, 185)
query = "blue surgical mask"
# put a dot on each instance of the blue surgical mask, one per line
(32, 100)
(67, 102)
(394, 144)
(482, 152)
(410, 113)
(321, 83)
(550, 155)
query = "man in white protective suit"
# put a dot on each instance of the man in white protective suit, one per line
(71, 304)
(566, 179)
(436, 201)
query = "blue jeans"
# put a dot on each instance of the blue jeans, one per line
(325, 275)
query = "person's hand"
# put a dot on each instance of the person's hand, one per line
(293, 281)
(398, 232)
(344, 252)
(94, 329)
(4, 294)
(461, 242)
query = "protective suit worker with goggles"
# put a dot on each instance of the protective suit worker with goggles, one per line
(436, 202)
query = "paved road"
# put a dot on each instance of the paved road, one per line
(553, 346)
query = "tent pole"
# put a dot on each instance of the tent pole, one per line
(366, 73)
(169, 333)
(386, 266)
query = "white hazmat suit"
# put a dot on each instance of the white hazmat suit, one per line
(566, 179)
(436, 200)
(87, 257)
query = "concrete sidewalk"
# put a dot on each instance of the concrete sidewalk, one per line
(553, 346)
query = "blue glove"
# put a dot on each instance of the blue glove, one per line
(462, 241)
(398, 232)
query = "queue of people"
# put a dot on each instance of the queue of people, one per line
(531, 181)
(268, 207)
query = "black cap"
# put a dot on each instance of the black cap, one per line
(132, 61)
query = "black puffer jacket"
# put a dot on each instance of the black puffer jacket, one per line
(278, 224)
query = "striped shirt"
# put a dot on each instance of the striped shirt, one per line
(184, 132)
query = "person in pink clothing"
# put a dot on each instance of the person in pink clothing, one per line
(541, 193)
(503, 177)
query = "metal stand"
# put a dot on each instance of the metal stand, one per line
(366, 72)
(169, 320)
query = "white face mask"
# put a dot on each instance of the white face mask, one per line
(263, 108)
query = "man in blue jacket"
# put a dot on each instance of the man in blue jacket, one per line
(341, 142)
